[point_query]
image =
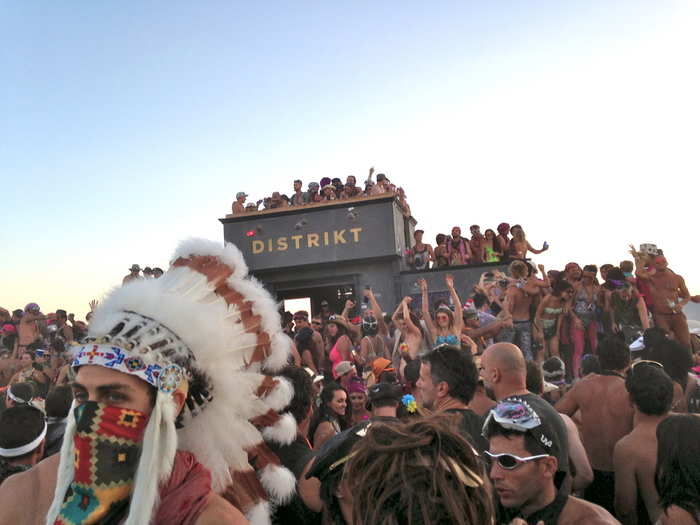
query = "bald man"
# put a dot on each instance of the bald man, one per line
(504, 373)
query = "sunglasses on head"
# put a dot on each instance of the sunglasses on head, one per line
(511, 461)
(514, 415)
(647, 362)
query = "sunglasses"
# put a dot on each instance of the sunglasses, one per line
(511, 461)
(300, 318)
(647, 362)
(316, 322)
(514, 415)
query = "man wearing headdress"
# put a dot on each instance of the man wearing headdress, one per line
(170, 403)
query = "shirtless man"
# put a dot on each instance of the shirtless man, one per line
(651, 394)
(134, 272)
(476, 245)
(602, 423)
(420, 256)
(517, 304)
(238, 205)
(669, 295)
(298, 195)
(28, 329)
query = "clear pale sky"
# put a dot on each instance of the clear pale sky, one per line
(127, 126)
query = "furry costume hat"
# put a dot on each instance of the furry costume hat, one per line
(206, 322)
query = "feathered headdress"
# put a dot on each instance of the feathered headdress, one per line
(207, 322)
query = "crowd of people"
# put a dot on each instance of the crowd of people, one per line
(135, 272)
(508, 244)
(324, 191)
(554, 397)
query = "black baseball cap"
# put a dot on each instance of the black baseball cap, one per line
(384, 391)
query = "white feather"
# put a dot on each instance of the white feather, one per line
(280, 396)
(156, 461)
(279, 482)
(282, 432)
(259, 514)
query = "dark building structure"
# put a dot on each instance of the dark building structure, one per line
(333, 250)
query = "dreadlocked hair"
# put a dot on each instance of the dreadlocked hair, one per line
(421, 472)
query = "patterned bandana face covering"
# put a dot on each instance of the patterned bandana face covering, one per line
(107, 446)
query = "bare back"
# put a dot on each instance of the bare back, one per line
(606, 415)
(520, 303)
(637, 452)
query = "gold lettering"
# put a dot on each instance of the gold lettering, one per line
(282, 244)
(258, 246)
(338, 236)
(356, 233)
(297, 239)
(312, 240)
(269, 245)
(325, 238)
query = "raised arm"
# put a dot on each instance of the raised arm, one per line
(459, 322)
(407, 317)
(377, 311)
(536, 252)
(639, 269)
(425, 307)
(544, 282)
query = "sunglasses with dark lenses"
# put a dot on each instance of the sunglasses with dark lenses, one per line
(316, 322)
(511, 461)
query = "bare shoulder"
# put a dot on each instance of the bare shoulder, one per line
(219, 511)
(626, 446)
(580, 512)
(40, 481)
(676, 516)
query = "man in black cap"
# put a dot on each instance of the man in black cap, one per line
(525, 452)
(22, 435)
(318, 486)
